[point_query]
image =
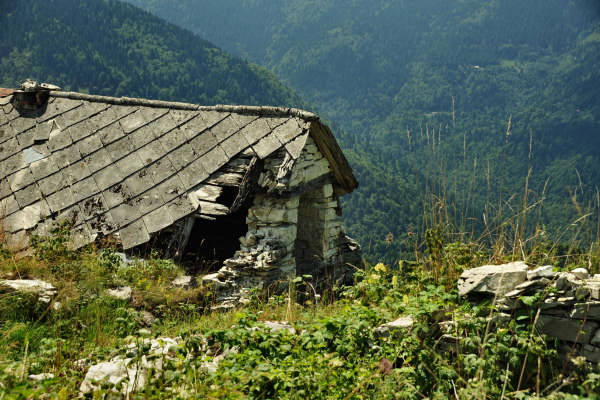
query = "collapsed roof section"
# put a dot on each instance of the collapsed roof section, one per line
(128, 168)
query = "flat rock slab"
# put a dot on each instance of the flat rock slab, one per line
(546, 271)
(569, 330)
(183, 282)
(492, 279)
(44, 290)
(395, 327)
(118, 369)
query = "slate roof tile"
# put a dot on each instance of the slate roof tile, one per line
(59, 139)
(110, 133)
(51, 184)
(256, 130)
(12, 164)
(214, 159)
(93, 207)
(287, 131)
(108, 176)
(171, 140)
(116, 194)
(225, 128)
(192, 173)
(89, 145)
(233, 145)
(129, 164)
(20, 179)
(75, 173)
(8, 205)
(8, 148)
(126, 213)
(267, 145)
(133, 121)
(6, 133)
(27, 138)
(65, 157)
(134, 234)
(58, 107)
(28, 195)
(120, 148)
(98, 159)
(79, 131)
(22, 124)
(158, 219)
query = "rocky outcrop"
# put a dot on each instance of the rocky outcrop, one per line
(568, 302)
(492, 279)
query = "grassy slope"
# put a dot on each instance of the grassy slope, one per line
(335, 355)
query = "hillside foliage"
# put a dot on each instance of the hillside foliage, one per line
(112, 48)
(422, 93)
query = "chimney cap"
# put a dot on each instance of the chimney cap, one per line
(33, 86)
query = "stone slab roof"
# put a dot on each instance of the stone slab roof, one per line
(128, 166)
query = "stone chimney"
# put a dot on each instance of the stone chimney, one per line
(33, 95)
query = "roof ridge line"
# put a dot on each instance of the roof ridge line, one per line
(132, 101)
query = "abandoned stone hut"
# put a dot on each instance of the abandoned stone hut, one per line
(250, 194)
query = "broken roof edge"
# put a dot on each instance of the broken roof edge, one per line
(329, 147)
(132, 101)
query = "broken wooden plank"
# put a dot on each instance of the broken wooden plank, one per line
(209, 208)
(207, 192)
(248, 185)
(185, 237)
(222, 178)
(238, 164)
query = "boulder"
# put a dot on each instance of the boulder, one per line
(569, 330)
(546, 271)
(581, 273)
(492, 279)
(395, 327)
(109, 372)
(133, 371)
(275, 326)
(183, 282)
(44, 290)
(567, 282)
(589, 310)
(120, 293)
(41, 377)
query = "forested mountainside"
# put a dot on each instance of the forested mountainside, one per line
(476, 102)
(112, 48)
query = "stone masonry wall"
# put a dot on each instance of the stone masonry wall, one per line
(286, 224)
(570, 307)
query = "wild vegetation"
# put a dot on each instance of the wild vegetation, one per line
(460, 166)
(333, 351)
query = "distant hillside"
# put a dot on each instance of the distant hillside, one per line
(108, 47)
(390, 73)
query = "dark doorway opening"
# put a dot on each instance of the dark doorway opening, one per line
(309, 246)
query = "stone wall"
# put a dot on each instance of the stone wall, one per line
(569, 308)
(294, 228)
